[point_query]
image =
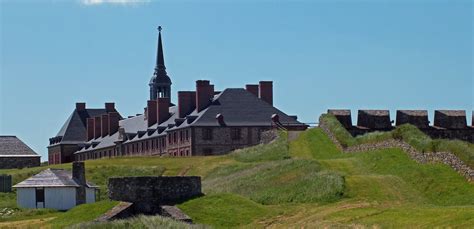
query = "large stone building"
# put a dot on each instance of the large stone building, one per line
(204, 122)
(14, 153)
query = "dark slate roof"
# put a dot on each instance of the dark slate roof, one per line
(75, 128)
(11, 146)
(51, 178)
(238, 106)
(422, 113)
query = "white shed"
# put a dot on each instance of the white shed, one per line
(56, 188)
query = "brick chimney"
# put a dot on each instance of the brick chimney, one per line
(105, 125)
(186, 102)
(97, 126)
(151, 110)
(204, 93)
(252, 88)
(265, 91)
(80, 106)
(113, 122)
(90, 129)
(163, 109)
(79, 176)
(109, 107)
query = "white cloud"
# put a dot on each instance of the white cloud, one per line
(115, 2)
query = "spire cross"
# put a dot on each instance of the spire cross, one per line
(159, 28)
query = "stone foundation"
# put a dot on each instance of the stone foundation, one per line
(148, 193)
(19, 162)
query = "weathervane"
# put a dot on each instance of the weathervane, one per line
(159, 28)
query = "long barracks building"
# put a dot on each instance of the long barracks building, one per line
(205, 122)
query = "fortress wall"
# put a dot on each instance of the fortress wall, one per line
(448, 124)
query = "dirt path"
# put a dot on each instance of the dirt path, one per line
(29, 223)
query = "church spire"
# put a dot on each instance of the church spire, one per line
(160, 60)
(160, 83)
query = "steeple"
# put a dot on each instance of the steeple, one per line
(160, 83)
(160, 60)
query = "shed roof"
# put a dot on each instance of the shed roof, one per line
(51, 178)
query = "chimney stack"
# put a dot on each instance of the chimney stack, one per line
(163, 109)
(252, 88)
(109, 107)
(80, 106)
(265, 91)
(186, 102)
(151, 111)
(113, 122)
(204, 94)
(90, 129)
(105, 125)
(79, 175)
(97, 126)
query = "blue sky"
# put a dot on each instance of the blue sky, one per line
(320, 54)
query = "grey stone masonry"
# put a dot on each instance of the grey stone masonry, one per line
(450, 119)
(19, 162)
(148, 192)
(344, 116)
(418, 118)
(374, 119)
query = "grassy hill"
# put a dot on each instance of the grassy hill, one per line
(307, 182)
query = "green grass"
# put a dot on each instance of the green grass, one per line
(286, 181)
(408, 133)
(225, 210)
(139, 222)
(278, 150)
(305, 183)
(82, 213)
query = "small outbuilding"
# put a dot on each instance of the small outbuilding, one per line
(57, 189)
(15, 154)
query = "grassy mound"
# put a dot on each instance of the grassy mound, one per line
(82, 213)
(286, 181)
(433, 183)
(277, 150)
(225, 210)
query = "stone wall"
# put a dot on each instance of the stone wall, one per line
(447, 158)
(19, 162)
(148, 193)
(449, 124)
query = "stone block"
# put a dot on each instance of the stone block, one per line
(344, 117)
(418, 118)
(148, 192)
(374, 119)
(450, 119)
